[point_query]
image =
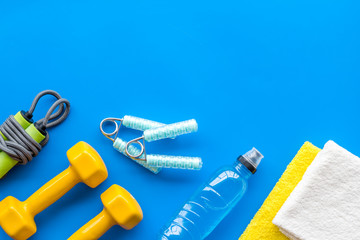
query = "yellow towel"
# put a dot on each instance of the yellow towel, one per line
(261, 227)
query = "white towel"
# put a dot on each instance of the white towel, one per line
(325, 205)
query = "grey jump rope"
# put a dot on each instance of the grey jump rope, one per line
(21, 139)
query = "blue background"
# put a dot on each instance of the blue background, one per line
(269, 74)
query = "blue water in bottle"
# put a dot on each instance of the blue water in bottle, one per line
(213, 201)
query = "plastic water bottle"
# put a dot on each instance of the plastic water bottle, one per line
(213, 201)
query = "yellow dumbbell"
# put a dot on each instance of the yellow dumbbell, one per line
(120, 207)
(86, 165)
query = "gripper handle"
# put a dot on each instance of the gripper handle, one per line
(171, 130)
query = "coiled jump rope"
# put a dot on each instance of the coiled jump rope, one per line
(22, 139)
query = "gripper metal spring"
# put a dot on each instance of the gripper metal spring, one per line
(166, 131)
(131, 122)
(120, 145)
(154, 162)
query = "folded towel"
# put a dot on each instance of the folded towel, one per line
(261, 227)
(325, 205)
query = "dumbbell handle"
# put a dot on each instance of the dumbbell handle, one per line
(95, 228)
(52, 191)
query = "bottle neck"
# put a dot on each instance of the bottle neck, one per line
(242, 170)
